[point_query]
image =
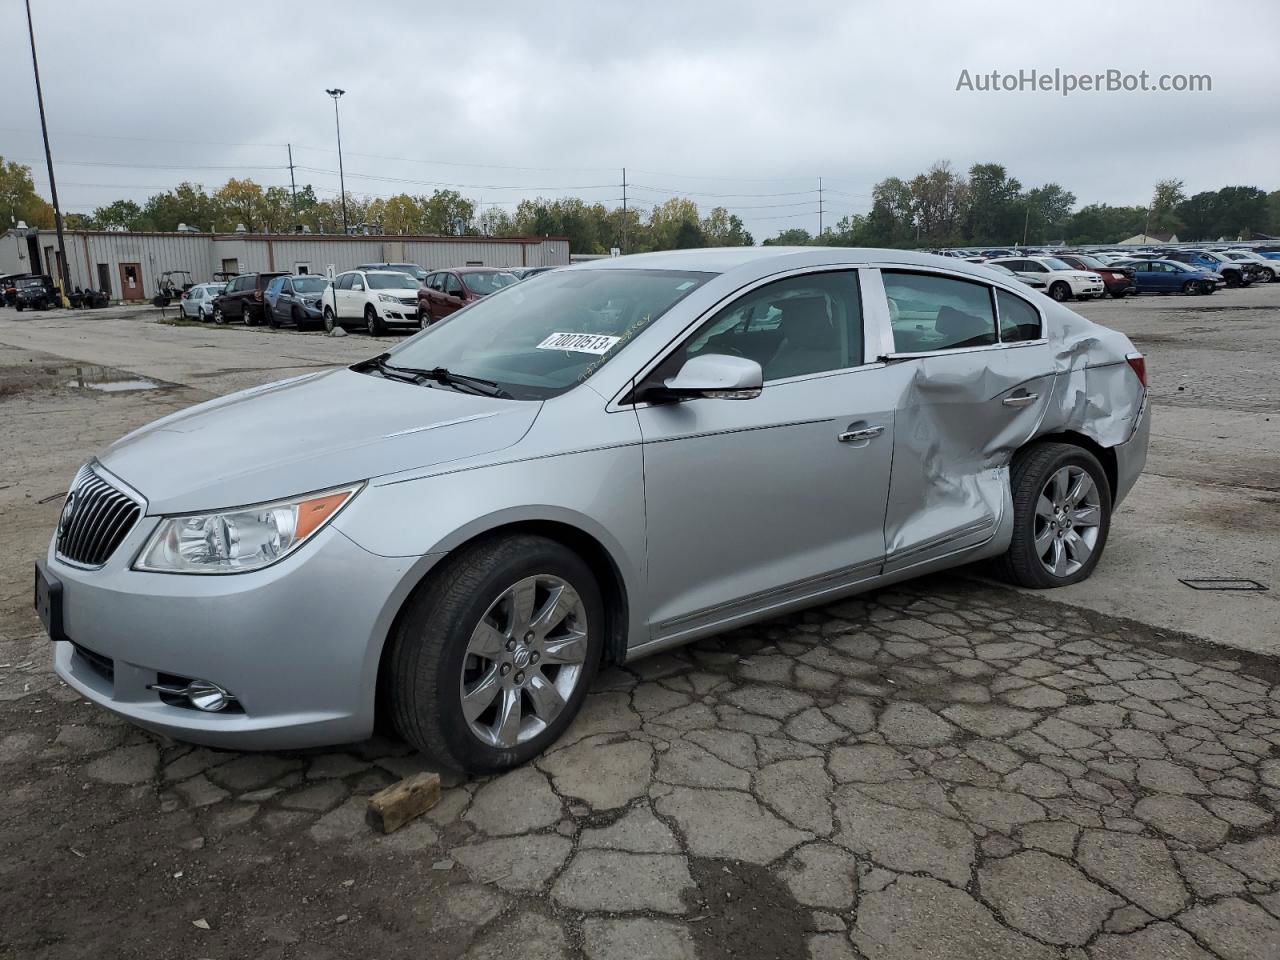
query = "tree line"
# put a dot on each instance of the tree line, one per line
(937, 208)
(944, 208)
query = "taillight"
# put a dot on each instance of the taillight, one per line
(1138, 364)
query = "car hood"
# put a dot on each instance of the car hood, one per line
(308, 433)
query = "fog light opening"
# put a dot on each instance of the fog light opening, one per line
(201, 694)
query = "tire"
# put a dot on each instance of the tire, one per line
(1192, 287)
(1233, 279)
(219, 317)
(1060, 291)
(1208, 288)
(373, 323)
(1118, 294)
(429, 666)
(250, 320)
(424, 320)
(1054, 543)
(299, 319)
(1268, 275)
(201, 315)
(269, 314)
(330, 321)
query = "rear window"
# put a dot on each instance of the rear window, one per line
(487, 281)
(929, 312)
(1019, 320)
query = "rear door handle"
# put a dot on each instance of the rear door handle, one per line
(1020, 399)
(865, 433)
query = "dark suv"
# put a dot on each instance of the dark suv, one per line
(243, 298)
(36, 292)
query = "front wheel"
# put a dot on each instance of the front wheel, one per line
(495, 653)
(373, 323)
(1118, 294)
(1060, 291)
(330, 321)
(1061, 516)
(219, 317)
(1192, 287)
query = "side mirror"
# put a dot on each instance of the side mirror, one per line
(713, 375)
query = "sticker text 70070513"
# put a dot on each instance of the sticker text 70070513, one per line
(595, 343)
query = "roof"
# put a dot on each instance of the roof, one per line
(763, 260)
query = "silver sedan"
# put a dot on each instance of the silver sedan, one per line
(619, 458)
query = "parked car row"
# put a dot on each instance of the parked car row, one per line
(374, 297)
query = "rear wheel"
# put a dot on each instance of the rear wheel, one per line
(1060, 291)
(373, 323)
(1061, 516)
(495, 654)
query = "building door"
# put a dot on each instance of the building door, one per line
(131, 282)
(104, 278)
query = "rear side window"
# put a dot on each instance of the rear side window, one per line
(1019, 320)
(930, 312)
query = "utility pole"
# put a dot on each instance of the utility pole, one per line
(819, 208)
(342, 183)
(293, 186)
(623, 244)
(1026, 220)
(48, 156)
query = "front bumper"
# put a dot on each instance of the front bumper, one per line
(398, 312)
(1088, 288)
(297, 643)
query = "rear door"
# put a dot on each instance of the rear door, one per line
(974, 377)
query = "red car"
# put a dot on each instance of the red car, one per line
(445, 291)
(1117, 280)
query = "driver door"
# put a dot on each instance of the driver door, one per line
(752, 505)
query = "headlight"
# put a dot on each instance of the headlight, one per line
(236, 541)
(388, 298)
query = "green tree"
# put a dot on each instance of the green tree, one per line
(446, 212)
(120, 215)
(186, 203)
(667, 220)
(794, 237)
(18, 198)
(995, 213)
(1162, 212)
(241, 202)
(724, 229)
(1048, 212)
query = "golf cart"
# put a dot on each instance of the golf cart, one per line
(171, 286)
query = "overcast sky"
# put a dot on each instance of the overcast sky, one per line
(733, 103)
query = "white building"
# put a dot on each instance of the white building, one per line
(128, 265)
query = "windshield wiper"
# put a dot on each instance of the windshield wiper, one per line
(488, 388)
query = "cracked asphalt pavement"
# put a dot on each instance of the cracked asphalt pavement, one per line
(948, 769)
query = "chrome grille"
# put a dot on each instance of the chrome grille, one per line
(95, 519)
(409, 301)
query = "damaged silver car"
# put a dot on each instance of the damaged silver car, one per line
(621, 457)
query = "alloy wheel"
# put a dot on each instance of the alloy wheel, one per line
(1068, 515)
(524, 660)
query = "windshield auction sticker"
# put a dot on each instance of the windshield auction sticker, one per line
(596, 343)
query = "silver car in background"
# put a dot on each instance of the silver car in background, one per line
(197, 302)
(624, 456)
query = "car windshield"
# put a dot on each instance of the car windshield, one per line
(389, 281)
(411, 269)
(309, 284)
(539, 340)
(484, 282)
(1053, 263)
(31, 282)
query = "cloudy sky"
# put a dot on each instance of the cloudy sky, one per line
(731, 103)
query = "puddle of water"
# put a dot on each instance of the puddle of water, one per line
(106, 379)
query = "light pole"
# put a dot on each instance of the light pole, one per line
(48, 156)
(342, 183)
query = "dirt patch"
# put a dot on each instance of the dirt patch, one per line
(745, 911)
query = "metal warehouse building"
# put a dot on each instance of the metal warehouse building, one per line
(128, 265)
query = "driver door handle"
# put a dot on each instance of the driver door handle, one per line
(1020, 399)
(866, 433)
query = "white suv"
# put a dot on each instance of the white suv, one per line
(376, 299)
(1062, 280)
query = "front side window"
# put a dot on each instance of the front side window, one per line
(797, 326)
(275, 286)
(1019, 320)
(537, 340)
(929, 312)
(452, 285)
(344, 281)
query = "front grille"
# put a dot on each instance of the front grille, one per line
(104, 666)
(409, 301)
(95, 519)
